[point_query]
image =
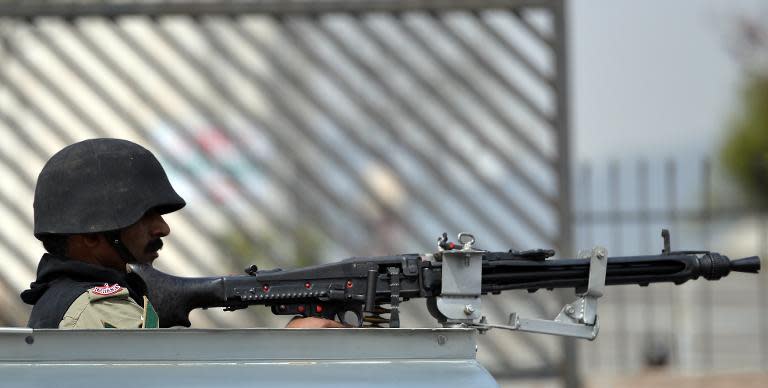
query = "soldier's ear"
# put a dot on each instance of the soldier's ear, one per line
(94, 239)
(91, 240)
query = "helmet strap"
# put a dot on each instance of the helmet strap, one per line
(113, 237)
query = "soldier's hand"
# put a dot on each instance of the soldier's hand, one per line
(314, 323)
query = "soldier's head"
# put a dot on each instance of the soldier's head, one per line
(102, 201)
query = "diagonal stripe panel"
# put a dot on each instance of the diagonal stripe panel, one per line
(301, 131)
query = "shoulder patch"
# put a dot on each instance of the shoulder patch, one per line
(107, 291)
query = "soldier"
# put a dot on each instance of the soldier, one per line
(99, 204)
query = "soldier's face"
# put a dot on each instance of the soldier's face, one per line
(143, 238)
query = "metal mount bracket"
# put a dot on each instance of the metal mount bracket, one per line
(577, 319)
(462, 280)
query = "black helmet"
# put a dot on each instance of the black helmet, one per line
(100, 185)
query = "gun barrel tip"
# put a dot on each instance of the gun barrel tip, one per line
(748, 264)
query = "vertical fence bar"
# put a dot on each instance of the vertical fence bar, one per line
(617, 244)
(762, 290)
(587, 223)
(643, 188)
(587, 209)
(705, 313)
(676, 309)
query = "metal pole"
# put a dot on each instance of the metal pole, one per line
(70, 10)
(570, 366)
(587, 224)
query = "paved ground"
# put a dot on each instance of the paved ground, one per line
(658, 380)
(665, 380)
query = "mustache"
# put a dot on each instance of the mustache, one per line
(154, 245)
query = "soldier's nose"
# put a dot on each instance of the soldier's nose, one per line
(160, 228)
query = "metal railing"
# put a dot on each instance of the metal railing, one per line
(696, 327)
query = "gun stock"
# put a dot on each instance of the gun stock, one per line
(174, 297)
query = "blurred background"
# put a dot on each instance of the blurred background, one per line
(302, 132)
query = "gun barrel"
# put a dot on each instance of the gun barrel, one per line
(499, 275)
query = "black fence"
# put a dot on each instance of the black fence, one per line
(699, 326)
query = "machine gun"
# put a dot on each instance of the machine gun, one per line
(360, 291)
